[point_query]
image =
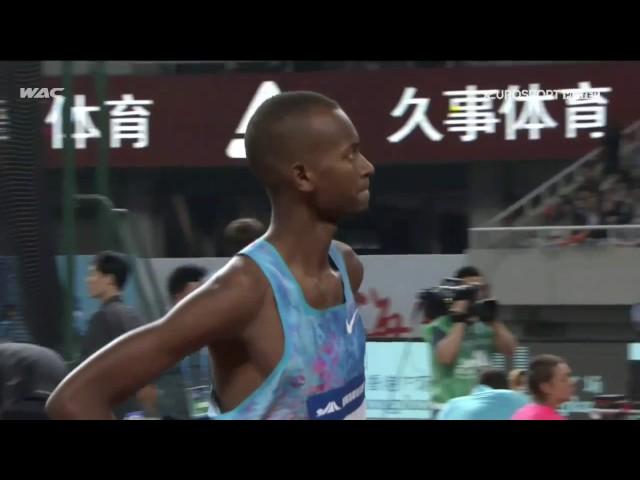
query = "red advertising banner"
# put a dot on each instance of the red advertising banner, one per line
(403, 116)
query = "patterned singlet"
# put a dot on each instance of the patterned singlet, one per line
(321, 373)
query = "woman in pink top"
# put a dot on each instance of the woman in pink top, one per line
(551, 385)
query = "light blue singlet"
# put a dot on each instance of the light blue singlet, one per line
(321, 373)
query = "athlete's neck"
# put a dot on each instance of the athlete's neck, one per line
(301, 237)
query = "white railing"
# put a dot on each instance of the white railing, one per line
(565, 178)
(548, 236)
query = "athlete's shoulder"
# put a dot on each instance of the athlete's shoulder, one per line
(353, 263)
(240, 277)
(227, 303)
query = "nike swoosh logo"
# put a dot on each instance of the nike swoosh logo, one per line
(351, 322)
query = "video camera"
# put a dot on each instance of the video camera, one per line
(437, 301)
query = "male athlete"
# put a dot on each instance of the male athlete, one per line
(280, 319)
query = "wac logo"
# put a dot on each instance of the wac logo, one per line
(40, 92)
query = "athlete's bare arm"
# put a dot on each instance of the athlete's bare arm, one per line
(354, 266)
(220, 310)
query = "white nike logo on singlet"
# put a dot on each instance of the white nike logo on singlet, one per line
(351, 322)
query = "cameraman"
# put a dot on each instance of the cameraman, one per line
(463, 338)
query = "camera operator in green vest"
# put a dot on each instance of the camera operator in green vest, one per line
(463, 330)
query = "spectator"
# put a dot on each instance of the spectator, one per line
(587, 207)
(591, 176)
(622, 187)
(184, 280)
(240, 233)
(551, 385)
(196, 368)
(489, 400)
(28, 375)
(518, 380)
(580, 197)
(566, 211)
(617, 209)
(462, 342)
(623, 196)
(560, 214)
(187, 278)
(588, 213)
(106, 280)
(614, 212)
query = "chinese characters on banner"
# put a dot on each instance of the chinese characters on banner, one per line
(414, 116)
(474, 112)
(128, 120)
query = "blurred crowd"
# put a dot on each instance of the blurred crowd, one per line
(607, 193)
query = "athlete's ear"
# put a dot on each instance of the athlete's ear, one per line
(302, 177)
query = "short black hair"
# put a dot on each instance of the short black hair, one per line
(265, 142)
(494, 378)
(240, 233)
(182, 276)
(112, 263)
(541, 371)
(468, 271)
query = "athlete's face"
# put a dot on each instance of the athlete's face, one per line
(336, 175)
